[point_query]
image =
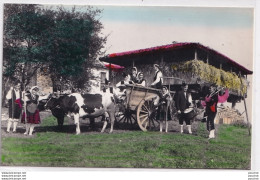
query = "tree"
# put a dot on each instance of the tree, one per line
(24, 32)
(75, 43)
(62, 41)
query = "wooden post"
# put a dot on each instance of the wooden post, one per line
(208, 58)
(110, 73)
(243, 97)
(196, 55)
(133, 63)
(12, 98)
(247, 116)
(161, 59)
(220, 66)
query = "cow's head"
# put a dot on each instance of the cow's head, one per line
(52, 102)
(42, 101)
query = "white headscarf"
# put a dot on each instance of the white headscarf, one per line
(34, 87)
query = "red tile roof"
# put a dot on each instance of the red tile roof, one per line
(114, 67)
(175, 46)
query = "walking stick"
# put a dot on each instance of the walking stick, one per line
(24, 105)
(12, 103)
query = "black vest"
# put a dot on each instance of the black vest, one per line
(159, 84)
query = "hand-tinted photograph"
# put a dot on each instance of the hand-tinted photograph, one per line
(160, 87)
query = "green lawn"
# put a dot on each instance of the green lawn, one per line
(131, 149)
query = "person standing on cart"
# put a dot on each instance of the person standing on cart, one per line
(158, 78)
(133, 75)
(183, 101)
(14, 106)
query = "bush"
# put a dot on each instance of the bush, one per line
(241, 124)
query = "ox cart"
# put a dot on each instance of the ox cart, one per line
(140, 105)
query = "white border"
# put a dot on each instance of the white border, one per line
(45, 173)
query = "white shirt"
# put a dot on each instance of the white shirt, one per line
(122, 84)
(159, 77)
(189, 97)
(9, 94)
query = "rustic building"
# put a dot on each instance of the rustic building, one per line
(98, 74)
(191, 62)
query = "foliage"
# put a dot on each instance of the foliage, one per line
(24, 30)
(241, 124)
(136, 149)
(212, 74)
(74, 44)
(64, 42)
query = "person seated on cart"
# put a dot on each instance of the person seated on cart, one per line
(141, 81)
(120, 87)
(133, 76)
(183, 102)
(127, 80)
(158, 78)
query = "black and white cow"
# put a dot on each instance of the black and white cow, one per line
(84, 105)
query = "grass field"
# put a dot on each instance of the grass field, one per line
(130, 149)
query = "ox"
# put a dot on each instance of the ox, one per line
(84, 106)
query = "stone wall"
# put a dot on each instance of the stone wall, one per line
(44, 82)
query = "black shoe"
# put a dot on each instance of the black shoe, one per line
(204, 120)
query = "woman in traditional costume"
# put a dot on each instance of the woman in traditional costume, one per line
(31, 112)
(141, 81)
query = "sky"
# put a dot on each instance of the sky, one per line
(227, 30)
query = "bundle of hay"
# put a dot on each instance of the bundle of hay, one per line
(211, 74)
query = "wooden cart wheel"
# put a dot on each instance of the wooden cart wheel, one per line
(127, 116)
(146, 115)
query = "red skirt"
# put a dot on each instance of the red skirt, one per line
(32, 118)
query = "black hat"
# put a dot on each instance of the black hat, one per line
(164, 87)
(17, 82)
(124, 74)
(106, 81)
(183, 83)
(213, 85)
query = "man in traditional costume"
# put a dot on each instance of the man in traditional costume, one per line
(183, 101)
(213, 97)
(15, 106)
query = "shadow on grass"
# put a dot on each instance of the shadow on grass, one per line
(86, 128)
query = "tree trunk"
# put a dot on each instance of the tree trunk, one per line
(4, 91)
